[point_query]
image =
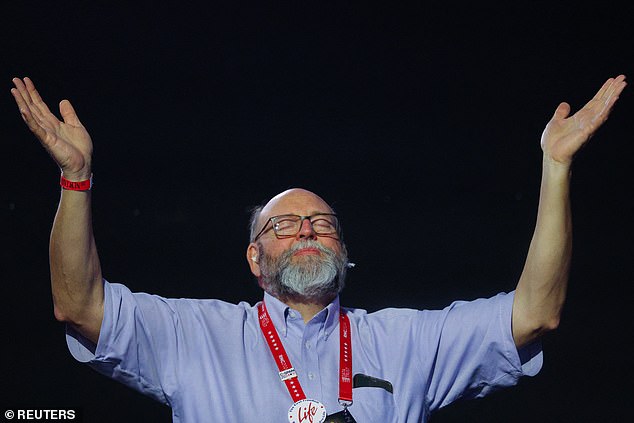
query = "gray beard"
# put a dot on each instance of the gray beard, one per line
(309, 276)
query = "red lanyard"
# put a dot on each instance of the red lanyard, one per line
(287, 372)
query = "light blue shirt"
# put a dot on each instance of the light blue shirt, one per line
(208, 360)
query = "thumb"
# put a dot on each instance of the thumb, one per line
(68, 113)
(562, 111)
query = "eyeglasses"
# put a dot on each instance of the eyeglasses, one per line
(289, 225)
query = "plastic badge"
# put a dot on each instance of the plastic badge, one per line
(307, 411)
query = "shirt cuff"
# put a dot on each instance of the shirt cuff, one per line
(81, 348)
(531, 358)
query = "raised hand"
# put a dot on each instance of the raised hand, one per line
(565, 135)
(67, 142)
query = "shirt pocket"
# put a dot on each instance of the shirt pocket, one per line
(373, 405)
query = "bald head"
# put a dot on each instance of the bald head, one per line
(292, 201)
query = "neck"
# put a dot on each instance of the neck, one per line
(307, 307)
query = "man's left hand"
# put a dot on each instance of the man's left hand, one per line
(564, 135)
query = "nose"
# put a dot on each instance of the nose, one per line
(306, 230)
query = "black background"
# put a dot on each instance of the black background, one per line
(419, 122)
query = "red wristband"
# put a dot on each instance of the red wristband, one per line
(76, 186)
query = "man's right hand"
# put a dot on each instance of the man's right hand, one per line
(67, 142)
(76, 280)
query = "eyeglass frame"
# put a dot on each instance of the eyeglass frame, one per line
(301, 223)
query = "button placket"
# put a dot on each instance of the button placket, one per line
(310, 358)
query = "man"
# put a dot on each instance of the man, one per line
(298, 356)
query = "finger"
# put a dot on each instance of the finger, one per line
(608, 103)
(616, 88)
(39, 108)
(22, 105)
(20, 94)
(28, 100)
(35, 97)
(612, 93)
(31, 121)
(68, 113)
(606, 96)
(30, 113)
(562, 111)
(17, 96)
(604, 88)
(24, 92)
(611, 85)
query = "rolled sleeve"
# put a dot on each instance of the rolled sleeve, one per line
(475, 353)
(137, 335)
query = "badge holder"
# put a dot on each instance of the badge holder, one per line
(342, 416)
(305, 409)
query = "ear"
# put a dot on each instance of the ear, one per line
(253, 258)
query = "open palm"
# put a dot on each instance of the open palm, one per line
(67, 142)
(564, 135)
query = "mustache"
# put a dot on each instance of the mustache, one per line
(314, 244)
(309, 243)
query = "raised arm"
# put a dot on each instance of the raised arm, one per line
(75, 270)
(541, 290)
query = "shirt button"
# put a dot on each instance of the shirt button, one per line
(311, 375)
(308, 345)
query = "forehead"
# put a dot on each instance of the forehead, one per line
(295, 201)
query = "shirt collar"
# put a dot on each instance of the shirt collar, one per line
(280, 313)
